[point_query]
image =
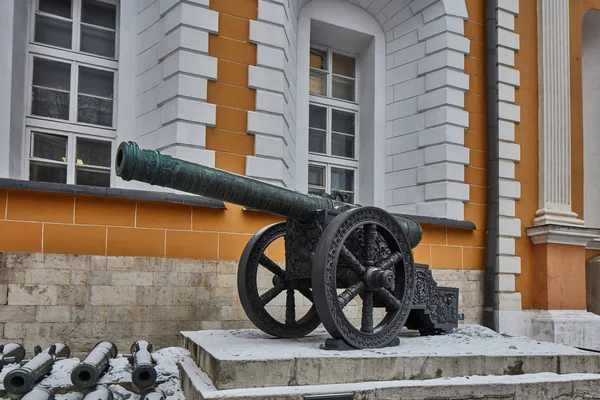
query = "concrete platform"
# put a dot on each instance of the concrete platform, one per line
(245, 359)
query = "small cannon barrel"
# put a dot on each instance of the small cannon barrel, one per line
(39, 393)
(155, 394)
(99, 393)
(149, 166)
(86, 374)
(11, 353)
(22, 380)
(143, 374)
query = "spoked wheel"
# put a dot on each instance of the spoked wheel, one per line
(255, 304)
(363, 252)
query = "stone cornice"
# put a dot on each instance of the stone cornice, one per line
(562, 234)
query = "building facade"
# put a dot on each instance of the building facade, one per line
(481, 132)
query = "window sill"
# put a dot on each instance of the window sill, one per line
(110, 192)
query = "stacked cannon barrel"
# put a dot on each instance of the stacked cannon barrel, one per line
(25, 378)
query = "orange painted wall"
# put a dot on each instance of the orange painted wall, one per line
(526, 135)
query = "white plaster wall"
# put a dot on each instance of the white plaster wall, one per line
(6, 48)
(590, 49)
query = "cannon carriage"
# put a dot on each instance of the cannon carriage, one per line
(335, 253)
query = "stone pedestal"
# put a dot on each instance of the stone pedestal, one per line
(577, 328)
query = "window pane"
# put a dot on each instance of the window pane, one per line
(316, 141)
(50, 147)
(342, 145)
(91, 177)
(343, 65)
(342, 122)
(97, 41)
(96, 82)
(51, 74)
(93, 110)
(50, 103)
(317, 117)
(318, 59)
(53, 31)
(318, 192)
(342, 179)
(316, 175)
(100, 14)
(318, 83)
(41, 172)
(56, 7)
(93, 152)
(342, 88)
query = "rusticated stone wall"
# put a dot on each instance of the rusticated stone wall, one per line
(83, 299)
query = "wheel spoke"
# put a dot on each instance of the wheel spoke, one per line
(366, 324)
(290, 308)
(306, 293)
(390, 261)
(370, 246)
(349, 259)
(388, 298)
(270, 265)
(350, 293)
(271, 294)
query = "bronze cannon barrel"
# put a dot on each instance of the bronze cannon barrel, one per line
(154, 168)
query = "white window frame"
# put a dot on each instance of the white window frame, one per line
(328, 160)
(76, 58)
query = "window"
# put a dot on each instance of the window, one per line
(333, 113)
(71, 105)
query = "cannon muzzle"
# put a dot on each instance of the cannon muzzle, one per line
(143, 374)
(86, 374)
(149, 166)
(22, 380)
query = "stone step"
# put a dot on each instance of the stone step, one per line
(197, 385)
(243, 359)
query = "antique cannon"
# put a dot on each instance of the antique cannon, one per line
(154, 394)
(11, 353)
(86, 374)
(100, 392)
(143, 374)
(39, 393)
(336, 253)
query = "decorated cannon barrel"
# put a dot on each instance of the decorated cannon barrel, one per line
(336, 253)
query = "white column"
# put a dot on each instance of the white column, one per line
(6, 48)
(554, 115)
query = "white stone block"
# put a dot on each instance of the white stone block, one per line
(401, 144)
(142, 4)
(509, 75)
(508, 39)
(443, 59)
(190, 63)
(506, 20)
(441, 172)
(150, 37)
(189, 110)
(389, 129)
(446, 77)
(505, 283)
(442, 134)
(270, 57)
(434, 12)
(165, 5)
(389, 164)
(405, 27)
(409, 54)
(402, 73)
(265, 123)
(407, 209)
(408, 195)
(419, 5)
(506, 207)
(147, 17)
(271, 12)
(265, 33)
(438, 26)
(511, 6)
(148, 122)
(509, 151)
(146, 102)
(457, 8)
(393, 7)
(409, 160)
(389, 198)
(258, 167)
(192, 15)
(147, 60)
(183, 38)
(446, 153)
(506, 92)
(447, 41)
(178, 133)
(447, 190)
(262, 78)
(507, 131)
(269, 102)
(508, 265)
(507, 169)
(389, 95)
(446, 115)
(506, 56)
(509, 189)
(508, 301)
(397, 20)
(509, 227)
(506, 246)
(402, 42)
(148, 80)
(268, 146)
(401, 109)
(451, 209)
(441, 97)
(408, 89)
(412, 123)
(197, 156)
(400, 179)
(510, 112)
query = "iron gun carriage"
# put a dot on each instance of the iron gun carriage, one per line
(336, 254)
